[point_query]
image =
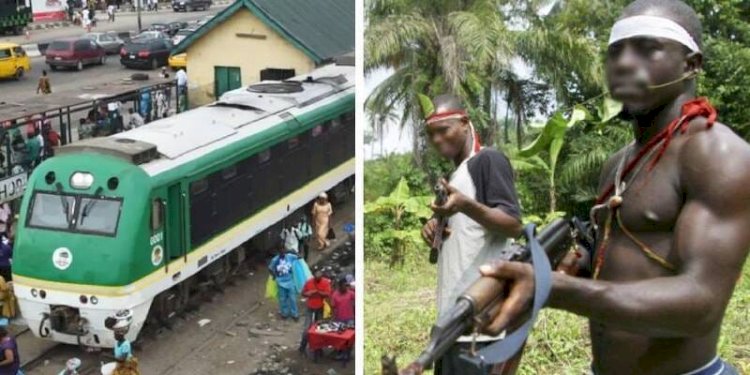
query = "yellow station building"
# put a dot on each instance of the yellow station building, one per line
(253, 40)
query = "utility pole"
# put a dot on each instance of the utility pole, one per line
(138, 10)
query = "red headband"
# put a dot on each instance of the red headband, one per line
(445, 115)
(459, 113)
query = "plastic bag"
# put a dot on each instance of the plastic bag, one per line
(327, 310)
(272, 290)
(301, 273)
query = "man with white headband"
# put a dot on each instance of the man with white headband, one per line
(672, 216)
(482, 210)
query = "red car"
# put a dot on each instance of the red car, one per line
(74, 53)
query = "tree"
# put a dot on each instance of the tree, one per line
(465, 47)
(402, 212)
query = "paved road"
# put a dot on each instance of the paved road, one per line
(123, 22)
(25, 89)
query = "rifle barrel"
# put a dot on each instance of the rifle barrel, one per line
(461, 316)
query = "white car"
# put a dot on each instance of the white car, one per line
(182, 34)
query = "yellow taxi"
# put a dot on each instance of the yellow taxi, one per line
(14, 62)
(178, 61)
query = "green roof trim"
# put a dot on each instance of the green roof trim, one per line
(321, 29)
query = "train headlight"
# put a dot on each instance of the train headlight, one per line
(94, 300)
(33, 292)
(84, 299)
(81, 180)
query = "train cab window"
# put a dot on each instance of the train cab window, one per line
(264, 156)
(51, 211)
(198, 186)
(318, 130)
(229, 173)
(75, 213)
(293, 143)
(97, 215)
(157, 214)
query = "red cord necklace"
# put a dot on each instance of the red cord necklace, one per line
(699, 107)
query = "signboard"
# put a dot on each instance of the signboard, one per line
(48, 10)
(13, 187)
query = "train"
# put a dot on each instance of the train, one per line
(140, 220)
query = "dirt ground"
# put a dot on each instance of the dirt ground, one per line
(243, 336)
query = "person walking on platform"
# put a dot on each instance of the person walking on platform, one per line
(281, 268)
(321, 214)
(304, 231)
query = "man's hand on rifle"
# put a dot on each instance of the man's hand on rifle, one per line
(519, 280)
(455, 201)
(428, 231)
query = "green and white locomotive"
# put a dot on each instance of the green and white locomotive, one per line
(136, 220)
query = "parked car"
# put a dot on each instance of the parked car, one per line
(74, 53)
(178, 61)
(182, 34)
(150, 35)
(190, 5)
(146, 53)
(13, 61)
(177, 26)
(163, 27)
(125, 36)
(110, 43)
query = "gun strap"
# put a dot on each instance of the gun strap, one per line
(506, 348)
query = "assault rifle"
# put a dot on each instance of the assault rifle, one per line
(437, 239)
(483, 299)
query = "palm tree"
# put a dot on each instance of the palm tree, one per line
(465, 47)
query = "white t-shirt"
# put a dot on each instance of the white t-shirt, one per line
(486, 177)
(181, 78)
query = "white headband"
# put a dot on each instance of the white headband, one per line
(653, 26)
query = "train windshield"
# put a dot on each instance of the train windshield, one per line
(98, 215)
(52, 211)
(75, 213)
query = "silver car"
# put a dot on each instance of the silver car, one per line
(182, 34)
(109, 42)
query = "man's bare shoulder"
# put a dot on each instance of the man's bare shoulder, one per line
(715, 156)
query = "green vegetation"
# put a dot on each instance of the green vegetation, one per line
(400, 308)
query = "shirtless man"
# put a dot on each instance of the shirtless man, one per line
(678, 227)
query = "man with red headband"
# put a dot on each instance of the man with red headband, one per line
(672, 216)
(482, 210)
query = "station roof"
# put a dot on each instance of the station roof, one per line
(322, 29)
